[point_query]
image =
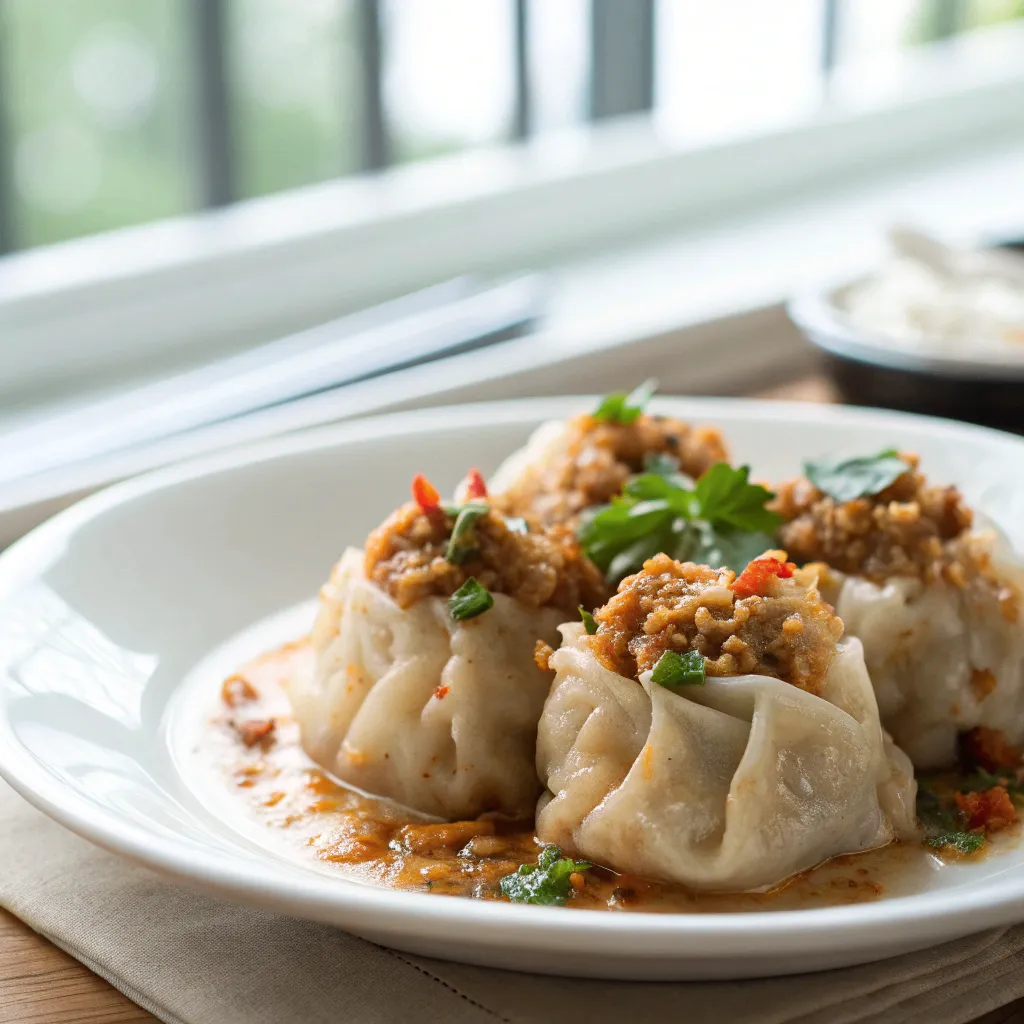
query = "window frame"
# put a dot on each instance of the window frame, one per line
(171, 292)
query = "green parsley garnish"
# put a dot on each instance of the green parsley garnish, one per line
(470, 600)
(620, 407)
(962, 842)
(545, 883)
(722, 522)
(674, 669)
(460, 547)
(943, 822)
(858, 477)
(588, 621)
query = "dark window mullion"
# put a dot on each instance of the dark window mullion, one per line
(521, 126)
(216, 150)
(8, 225)
(376, 145)
(830, 28)
(950, 17)
(622, 57)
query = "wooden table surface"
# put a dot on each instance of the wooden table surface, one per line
(40, 984)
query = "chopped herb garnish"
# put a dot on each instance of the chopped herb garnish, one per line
(722, 522)
(943, 823)
(588, 621)
(858, 477)
(470, 600)
(979, 780)
(961, 842)
(620, 407)
(674, 669)
(546, 883)
(726, 497)
(517, 524)
(460, 547)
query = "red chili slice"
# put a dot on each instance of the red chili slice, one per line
(755, 579)
(424, 493)
(474, 485)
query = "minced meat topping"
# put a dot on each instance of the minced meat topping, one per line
(901, 531)
(787, 632)
(405, 556)
(597, 458)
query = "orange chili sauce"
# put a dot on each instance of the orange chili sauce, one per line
(374, 841)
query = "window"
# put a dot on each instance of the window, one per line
(124, 111)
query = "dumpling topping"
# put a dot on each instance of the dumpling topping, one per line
(769, 621)
(596, 454)
(427, 549)
(959, 810)
(899, 530)
(547, 883)
(721, 520)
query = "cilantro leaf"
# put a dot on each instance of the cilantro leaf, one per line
(459, 547)
(720, 521)
(857, 477)
(674, 669)
(727, 498)
(623, 408)
(721, 546)
(470, 600)
(545, 883)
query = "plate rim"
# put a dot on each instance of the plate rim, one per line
(699, 936)
(822, 321)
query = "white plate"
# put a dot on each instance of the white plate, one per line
(109, 608)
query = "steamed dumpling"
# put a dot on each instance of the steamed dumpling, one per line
(436, 712)
(569, 466)
(934, 599)
(775, 764)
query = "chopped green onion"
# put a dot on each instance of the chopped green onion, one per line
(674, 669)
(458, 548)
(588, 621)
(470, 600)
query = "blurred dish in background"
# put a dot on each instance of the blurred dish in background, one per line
(936, 330)
(930, 297)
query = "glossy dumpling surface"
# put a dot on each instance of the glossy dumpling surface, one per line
(944, 657)
(435, 714)
(732, 786)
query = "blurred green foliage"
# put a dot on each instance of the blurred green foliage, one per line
(85, 157)
(101, 104)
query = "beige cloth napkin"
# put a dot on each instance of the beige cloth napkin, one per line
(191, 959)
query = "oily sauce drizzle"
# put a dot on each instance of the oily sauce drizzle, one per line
(253, 745)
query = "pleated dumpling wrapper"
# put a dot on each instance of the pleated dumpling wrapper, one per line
(717, 733)
(569, 466)
(425, 688)
(933, 595)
